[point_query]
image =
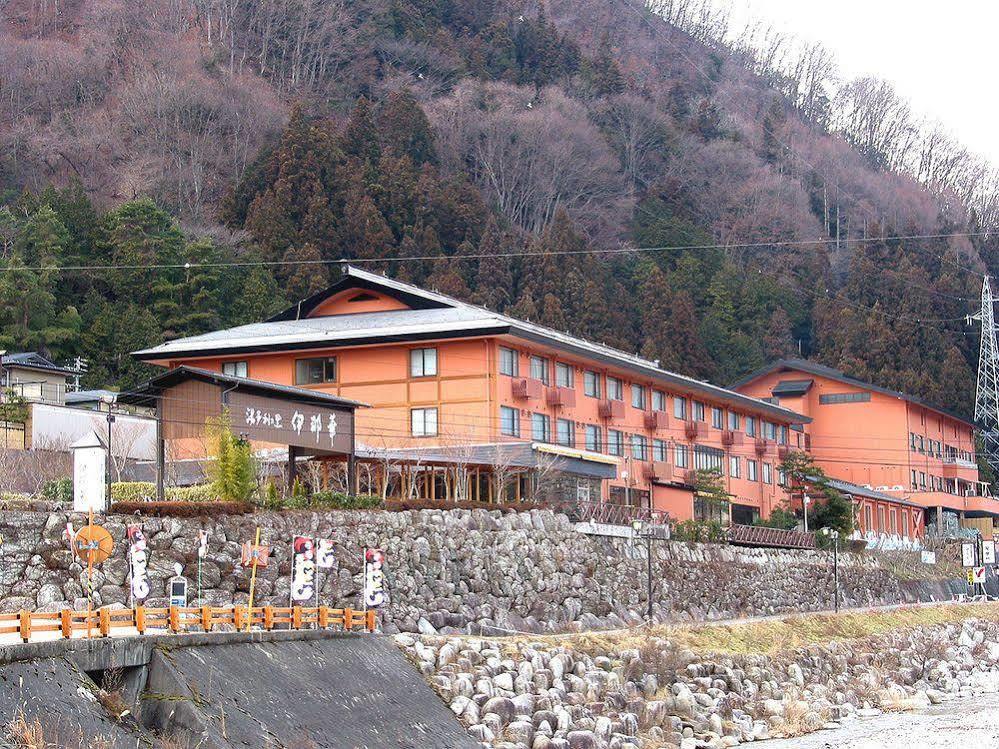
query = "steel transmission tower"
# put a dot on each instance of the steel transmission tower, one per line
(987, 394)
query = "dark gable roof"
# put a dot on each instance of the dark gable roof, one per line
(147, 393)
(820, 370)
(792, 388)
(33, 360)
(305, 307)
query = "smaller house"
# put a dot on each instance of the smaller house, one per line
(34, 378)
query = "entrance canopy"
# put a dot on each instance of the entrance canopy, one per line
(308, 422)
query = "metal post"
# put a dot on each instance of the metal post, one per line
(160, 454)
(110, 461)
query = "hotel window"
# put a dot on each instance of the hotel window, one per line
(905, 523)
(709, 459)
(509, 362)
(423, 362)
(915, 484)
(869, 517)
(750, 426)
(844, 398)
(638, 397)
(315, 371)
(593, 441)
(734, 467)
(768, 473)
(541, 428)
(509, 421)
(659, 451)
(565, 432)
(881, 519)
(639, 447)
(234, 368)
(769, 430)
(698, 411)
(615, 389)
(539, 369)
(781, 477)
(912, 441)
(563, 375)
(681, 456)
(679, 407)
(424, 422)
(733, 421)
(751, 469)
(717, 417)
(591, 384)
(782, 438)
(615, 442)
(922, 480)
(658, 400)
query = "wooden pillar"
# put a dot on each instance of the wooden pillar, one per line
(292, 467)
(160, 454)
(352, 475)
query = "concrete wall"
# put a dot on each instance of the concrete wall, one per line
(454, 571)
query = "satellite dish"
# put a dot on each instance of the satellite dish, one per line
(93, 544)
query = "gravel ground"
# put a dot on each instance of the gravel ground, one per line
(963, 724)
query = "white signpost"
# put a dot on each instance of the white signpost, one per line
(89, 474)
(988, 552)
(968, 555)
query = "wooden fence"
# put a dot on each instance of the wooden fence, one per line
(177, 619)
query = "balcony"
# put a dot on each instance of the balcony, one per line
(693, 430)
(954, 467)
(783, 451)
(562, 397)
(527, 389)
(657, 471)
(655, 420)
(35, 392)
(688, 476)
(764, 446)
(731, 438)
(611, 409)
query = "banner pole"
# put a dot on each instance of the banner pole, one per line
(315, 548)
(253, 580)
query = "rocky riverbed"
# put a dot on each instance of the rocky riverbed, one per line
(636, 690)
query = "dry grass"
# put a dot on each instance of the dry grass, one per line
(31, 734)
(767, 636)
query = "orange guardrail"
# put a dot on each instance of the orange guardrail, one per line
(177, 619)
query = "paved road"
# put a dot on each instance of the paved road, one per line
(963, 724)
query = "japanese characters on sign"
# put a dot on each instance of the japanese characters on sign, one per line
(138, 561)
(303, 572)
(309, 426)
(988, 552)
(374, 578)
(325, 553)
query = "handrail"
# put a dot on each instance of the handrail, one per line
(178, 619)
(759, 535)
(581, 510)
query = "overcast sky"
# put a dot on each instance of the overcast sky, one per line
(942, 56)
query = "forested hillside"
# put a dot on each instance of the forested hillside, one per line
(510, 153)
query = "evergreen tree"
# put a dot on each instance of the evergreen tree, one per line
(405, 129)
(360, 137)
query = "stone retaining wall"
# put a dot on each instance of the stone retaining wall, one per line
(536, 695)
(451, 571)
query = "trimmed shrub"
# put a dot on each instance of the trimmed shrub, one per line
(183, 509)
(132, 491)
(59, 490)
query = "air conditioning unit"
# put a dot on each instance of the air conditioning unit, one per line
(897, 488)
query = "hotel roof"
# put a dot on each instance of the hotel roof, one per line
(432, 316)
(820, 370)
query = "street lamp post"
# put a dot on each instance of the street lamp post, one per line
(805, 499)
(639, 527)
(109, 401)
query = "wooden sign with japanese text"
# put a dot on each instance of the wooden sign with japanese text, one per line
(262, 419)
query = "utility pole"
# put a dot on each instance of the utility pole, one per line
(640, 529)
(834, 535)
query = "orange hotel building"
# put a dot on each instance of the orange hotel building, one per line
(439, 373)
(886, 441)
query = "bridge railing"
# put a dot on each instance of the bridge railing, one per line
(105, 622)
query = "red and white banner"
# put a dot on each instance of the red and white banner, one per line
(374, 578)
(303, 569)
(325, 553)
(138, 561)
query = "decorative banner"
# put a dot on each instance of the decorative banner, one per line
(251, 552)
(325, 553)
(988, 552)
(203, 544)
(967, 555)
(303, 569)
(138, 560)
(374, 578)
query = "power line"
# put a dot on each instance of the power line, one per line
(776, 244)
